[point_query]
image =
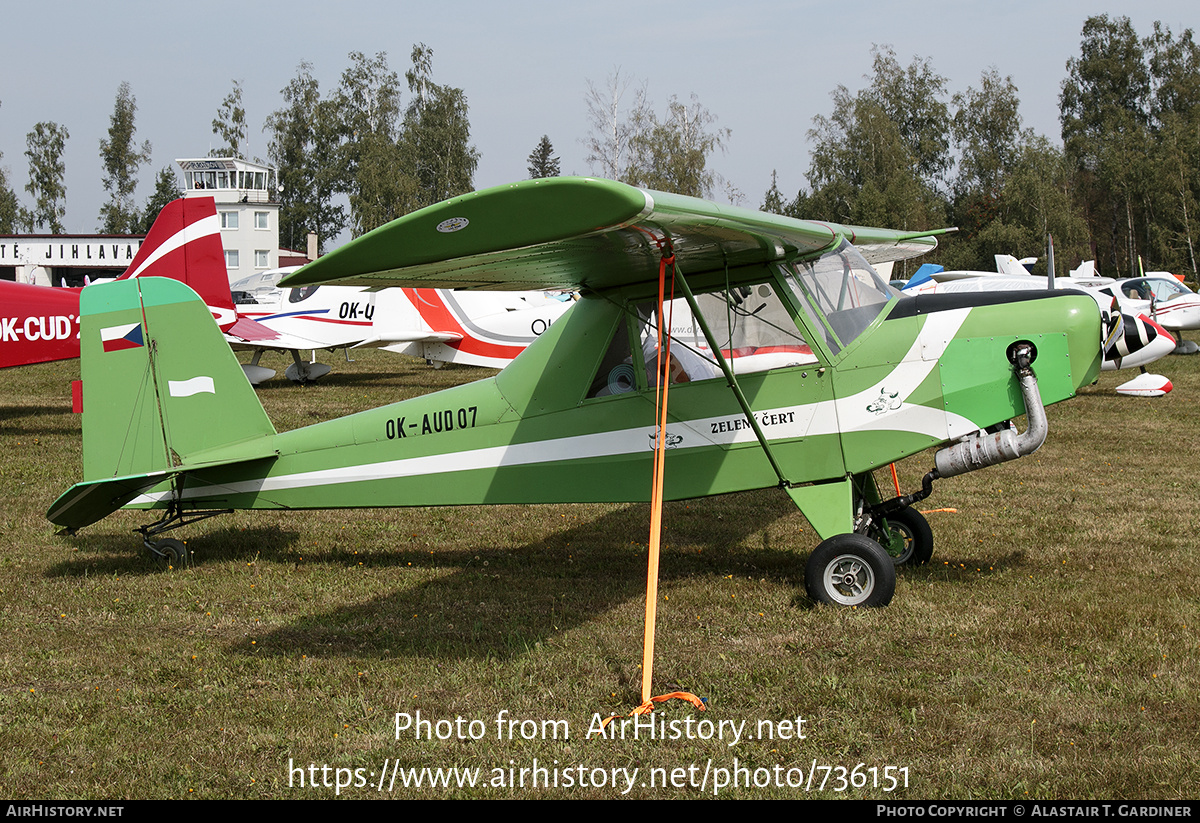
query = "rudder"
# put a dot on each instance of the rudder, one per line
(185, 244)
(162, 389)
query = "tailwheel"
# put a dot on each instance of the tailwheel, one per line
(905, 535)
(173, 551)
(850, 570)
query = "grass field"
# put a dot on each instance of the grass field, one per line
(1049, 650)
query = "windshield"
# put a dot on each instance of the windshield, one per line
(750, 324)
(840, 293)
(1156, 287)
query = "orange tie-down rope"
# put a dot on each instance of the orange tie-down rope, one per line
(663, 378)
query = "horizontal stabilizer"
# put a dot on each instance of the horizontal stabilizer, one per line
(88, 502)
(251, 334)
(85, 503)
(251, 331)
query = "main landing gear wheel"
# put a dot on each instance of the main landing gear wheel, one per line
(907, 538)
(850, 570)
(305, 373)
(171, 550)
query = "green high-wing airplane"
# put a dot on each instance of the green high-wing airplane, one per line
(792, 364)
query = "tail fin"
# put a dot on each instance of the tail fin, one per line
(163, 395)
(1007, 264)
(185, 244)
(923, 274)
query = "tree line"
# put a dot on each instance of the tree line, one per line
(1120, 189)
(353, 158)
(361, 144)
(121, 158)
(901, 152)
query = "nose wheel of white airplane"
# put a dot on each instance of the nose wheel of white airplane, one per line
(906, 537)
(305, 373)
(850, 570)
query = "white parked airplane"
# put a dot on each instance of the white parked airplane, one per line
(437, 325)
(1158, 294)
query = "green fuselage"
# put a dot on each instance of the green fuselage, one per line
(531, 434)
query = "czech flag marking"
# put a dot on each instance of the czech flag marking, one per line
(118, 338)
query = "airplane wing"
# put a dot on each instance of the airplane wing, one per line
(579, 233)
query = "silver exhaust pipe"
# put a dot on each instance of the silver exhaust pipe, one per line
(984, 449)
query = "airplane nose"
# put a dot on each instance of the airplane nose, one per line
(1142, 342)
(977, 379)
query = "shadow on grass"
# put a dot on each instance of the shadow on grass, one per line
(504, 602)
(481, 598)
(32, 420)
(124, 553)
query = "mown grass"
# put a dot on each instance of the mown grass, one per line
(1048, 651)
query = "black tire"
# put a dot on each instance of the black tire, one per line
(850, 570)
(173, 551)
(907, 537)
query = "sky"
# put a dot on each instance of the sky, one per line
(764, 68)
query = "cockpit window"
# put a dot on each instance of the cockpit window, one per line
(1164, 289)
(750, 323)
(1147, 288)
(840, 292)
(302, 293)
(616, 374)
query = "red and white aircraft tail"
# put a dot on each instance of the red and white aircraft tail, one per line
(185, 244)
(39, 324)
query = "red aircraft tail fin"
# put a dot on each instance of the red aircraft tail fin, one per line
(185, 244)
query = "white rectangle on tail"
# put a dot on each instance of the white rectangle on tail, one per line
(186, 388)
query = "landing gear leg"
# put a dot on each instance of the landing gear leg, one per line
(305, 373)
(905, 535)
(298, 371)
(901, 530)
(169, 549)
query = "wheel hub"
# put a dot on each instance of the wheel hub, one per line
(851, 581)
